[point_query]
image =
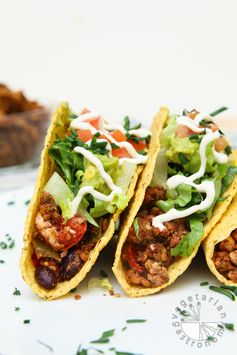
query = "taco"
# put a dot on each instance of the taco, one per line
(181, 194)
(87, 175)
(220, 247)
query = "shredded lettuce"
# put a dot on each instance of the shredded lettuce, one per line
(126, 174)
(228, 178)
(161, 170)
(83, 211)
(165, 206)
(68, 161)
(61, 193)
(184, 192)
(188, 242)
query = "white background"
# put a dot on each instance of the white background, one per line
(120, 57)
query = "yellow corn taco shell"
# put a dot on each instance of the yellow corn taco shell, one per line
(180, 265)
(221, 231)
(58, 128)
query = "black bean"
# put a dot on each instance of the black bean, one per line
(46, 277)
(70, 265)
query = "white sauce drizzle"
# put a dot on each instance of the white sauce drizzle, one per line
(113, 127)
(83, 122)
(221, 158)
(89, 189)
(136, 158)
(208, 187)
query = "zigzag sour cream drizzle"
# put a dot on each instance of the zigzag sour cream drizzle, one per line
(83, 123)
(207, 187)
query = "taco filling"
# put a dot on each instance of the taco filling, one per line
(225, 257)
(95, 163)
(193, 170)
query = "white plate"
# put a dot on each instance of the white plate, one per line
(66, 323)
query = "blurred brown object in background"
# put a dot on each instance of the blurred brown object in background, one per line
(23, 125)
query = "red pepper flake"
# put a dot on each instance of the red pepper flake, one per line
(117, 295)
(77, 296)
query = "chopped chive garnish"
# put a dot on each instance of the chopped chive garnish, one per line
(124, 328)
(103, 273)
(183, 158)
(114, 146)
(228, 150)
(100, 341)
(195, 138)
(46, 345)
(16, 292)
(26, 321)
(2, 261)
(230, 326)
(135, 320)
(73, 115)
(227, 293)
(27, 202)
(221, 109)
(17, 309)
(104, 338)
(230, 288)
(211, 338)
(3, 245)
(182, 312)
(73, 290)
(204, 283)
(220, 326)
(10, 203)
(11, 244)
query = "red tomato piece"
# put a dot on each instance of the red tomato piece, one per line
(221, 144)
(138, 146)
(72, 231)
(118, 136)
(85, 110)
(96, 122)
(183, 131)
(34, 259)
(85, 135)
(121, 153)
(131, 258)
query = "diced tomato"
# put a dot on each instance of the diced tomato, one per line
(84, 135)
(96, 122)
(118, 136)
(85, 110)
(183, 131)
(138, 146)
(131, 256)
(72, 235)
(214, 127)
(121, 153)
(221, 144)
(34, 259)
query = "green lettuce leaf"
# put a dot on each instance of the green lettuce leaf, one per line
(189, 241)
(228, 178)
(61, 193)
(68, 161)
(184, 194)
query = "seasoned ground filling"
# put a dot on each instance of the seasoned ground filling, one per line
(60, 248)
(225, 257)
(146, 253)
